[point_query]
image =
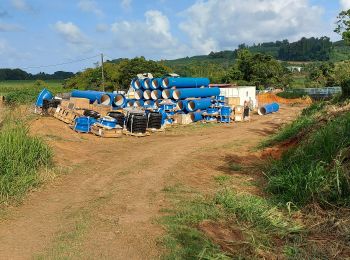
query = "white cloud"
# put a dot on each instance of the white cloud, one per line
(90, 6)
(101, 27)
(8, 27)
(71, 33)
(22, 5)
(151, 37)
(223, 24)
(126, 4)
(345, 4)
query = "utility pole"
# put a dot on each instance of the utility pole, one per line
(103, 75)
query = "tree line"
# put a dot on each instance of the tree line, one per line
(18, 74)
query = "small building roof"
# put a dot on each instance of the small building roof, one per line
(229, 86)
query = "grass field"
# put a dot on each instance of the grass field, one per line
(25, 91)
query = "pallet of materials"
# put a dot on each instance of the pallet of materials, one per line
(65, 115)
(105, 132)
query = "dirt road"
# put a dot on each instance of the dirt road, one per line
(109, 193)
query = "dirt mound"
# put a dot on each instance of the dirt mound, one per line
(228, 237)
(270, 97)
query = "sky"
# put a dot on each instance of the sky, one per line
(71, 34)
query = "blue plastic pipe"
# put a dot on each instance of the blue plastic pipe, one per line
(149, 103)
(182, 105)
(118, 100)
(101, 97)
(156, 94)
(139, 103)
(156, 83)
(196, 116)
(44, 94)
(147, 94)
(268, 109)
(185, 82)
(195, 92)
(167, 93)
(197, 104)
(146, 84)
(138, 94)
(130, 102)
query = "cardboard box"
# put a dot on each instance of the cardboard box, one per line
(64, 103)
(80, 103)
(107, 133)
(232, 101)
(102, 109)
(239, 110)
(182, 119)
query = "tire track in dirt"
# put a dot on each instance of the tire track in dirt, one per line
(114, 192)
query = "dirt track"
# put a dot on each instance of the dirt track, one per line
(110, 192)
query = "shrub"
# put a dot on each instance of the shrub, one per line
(345, 85)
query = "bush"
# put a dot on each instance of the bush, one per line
(314, 171)
(21, 156)
(345, 85)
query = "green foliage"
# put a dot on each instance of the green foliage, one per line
(312, 49)
(257, 211)
(292, 130)
(26, 91)
(21, 157)
(345, 85)
(259, 69)
(18, 74)
(314, 171)
(295, 93)
(117, 75)
(343, 25)
(322, 74)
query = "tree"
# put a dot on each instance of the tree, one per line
(259, 69)
(343, 25)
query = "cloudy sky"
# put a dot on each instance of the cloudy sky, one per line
(37, 33)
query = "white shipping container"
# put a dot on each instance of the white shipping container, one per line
(245, 93)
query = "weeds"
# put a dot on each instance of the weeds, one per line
(313, 171)
(21, 157)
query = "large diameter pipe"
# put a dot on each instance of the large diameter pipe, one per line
(44, 94)
(136, 84)
(146, 84)
(156, 83)
(101, 97)
(138, 94)
(130, 102)
(268, 109)
(147, 94)
(185, 82)
(195, 92)
(196, 116)
(118, 100)
(197, 104)
(139, 103)
(149, 103)
(182, 105)
(156, 94)
(167, 93)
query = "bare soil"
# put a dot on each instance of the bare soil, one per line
(110, 192)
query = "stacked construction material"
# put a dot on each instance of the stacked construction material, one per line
(174, 95)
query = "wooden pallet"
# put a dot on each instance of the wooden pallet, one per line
(66, 115)
(136, 134)
(106, 132)
(154, 130)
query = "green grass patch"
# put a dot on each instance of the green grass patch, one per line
(21, 158)
(26, 91)
(258, 219)
(235, 167)
(315, 171)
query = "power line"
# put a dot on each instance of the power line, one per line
(59, 64)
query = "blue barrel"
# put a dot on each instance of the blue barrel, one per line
(199, 104)
(108, 121)
(83, 124)
(268, 109)
(44, 94)
(179, 82)
(101, 97)
(225, 111)
(195, 92)
(196, 116)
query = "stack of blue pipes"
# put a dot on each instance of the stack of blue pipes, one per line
(188, 95)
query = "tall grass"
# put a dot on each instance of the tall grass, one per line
(314, 171)
(21, 157)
